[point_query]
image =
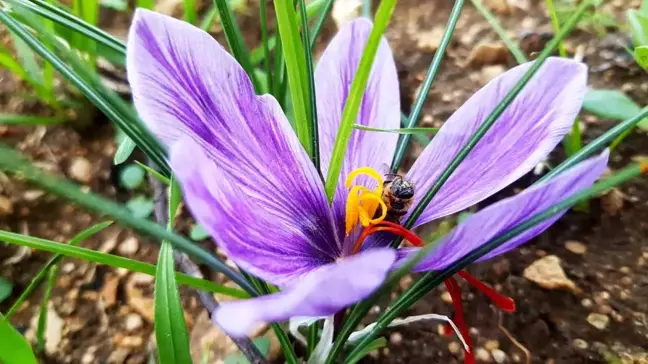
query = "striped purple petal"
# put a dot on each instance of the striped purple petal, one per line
(320, 293)
(530, 127)
(245, 176)
(504, 215)
(380, 106)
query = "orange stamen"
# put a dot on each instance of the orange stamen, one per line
(506, 304)
(458, 318)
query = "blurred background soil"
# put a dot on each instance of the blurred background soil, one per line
(593, 311)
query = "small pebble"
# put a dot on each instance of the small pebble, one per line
(6, 206)
(576, 247)
(598, 320)
(81, 170)
(587, 303)
(132, 341)
(396, 338)
(580, 344)
(499, 356)
(87, 358)
(625, 270)
(128, 246)
(68, 267)
(454, 347)
(491, 345)
(133, 322)
(482, 354)
(445, 297)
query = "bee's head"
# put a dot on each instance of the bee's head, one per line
(402, 188)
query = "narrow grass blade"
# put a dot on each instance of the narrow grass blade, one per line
(34, 73)
(35, 282)
(20, 119)
(154, 173)
(492, 118)
(210, 18)
(109, 103)
(68, 20)
(312, 9)
(403, 141)
(310, 83)
(146, 4)
(14, 349)
(41, 326)
(124, 150)
(190, 11)
(398, 131)
(12, 162)
(170, 326)
(265, 44)
(356, 93)
(235, 39)
(114, 261)
(555, 23)
(513, 47)
(326, 10)
(293, 53)
(433, 279)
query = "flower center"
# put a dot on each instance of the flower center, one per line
(362, 203)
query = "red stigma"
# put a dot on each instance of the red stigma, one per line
(391, 227)
(502, 302)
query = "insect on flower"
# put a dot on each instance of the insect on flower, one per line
(250, 183)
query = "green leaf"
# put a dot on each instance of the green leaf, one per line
(113, 261)
(380, 342)
(20, 119)
(198, 233)
(610, 104)
(14, 349)
(398, 131)
(235, 39)
(293, 52)
(28, 61)
(35, 282)
(140, 206)
(356, 94)
(154, 173)
(641, 56)
(262, 343)
(119, 5)
(639, 27)
(132, 176)
(5, 289)
(170, 326)
(42, 316)
(146, 4)
(124, 150)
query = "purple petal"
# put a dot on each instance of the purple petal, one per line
(320, 293)
(275, 225)
(502, 216)
(246, 177)
(380, 106)
(532, 125)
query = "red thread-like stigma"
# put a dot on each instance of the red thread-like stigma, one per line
(504, 303)
(391, 227)
(458, 318)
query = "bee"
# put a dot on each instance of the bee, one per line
(398, 196)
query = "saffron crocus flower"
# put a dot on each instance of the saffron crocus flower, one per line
(249, 182)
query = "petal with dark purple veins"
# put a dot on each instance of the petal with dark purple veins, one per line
(380, 106)
(504, 215)
(530, 127)
(320, 293)
(245, 175)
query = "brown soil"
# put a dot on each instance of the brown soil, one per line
(96, 302)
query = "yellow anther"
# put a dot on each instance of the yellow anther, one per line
(363, 203)
(372, 202)
(369, 172)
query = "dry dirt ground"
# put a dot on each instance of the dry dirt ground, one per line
(104, 315)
